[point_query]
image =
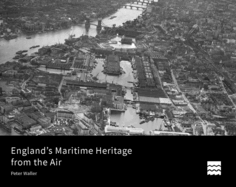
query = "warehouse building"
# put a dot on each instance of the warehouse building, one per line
(112, 65)
(148, 99)
(65, 114)
(86, 84)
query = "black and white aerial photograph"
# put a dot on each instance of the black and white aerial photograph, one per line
(117, 68)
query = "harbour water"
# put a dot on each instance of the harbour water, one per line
(129, 117)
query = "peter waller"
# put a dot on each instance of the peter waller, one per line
(24, 173)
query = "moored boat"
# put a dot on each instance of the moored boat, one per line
(16, 57)
(35, 46)
(22, 51)
(112, 17)
(142, 122)
(18, 52)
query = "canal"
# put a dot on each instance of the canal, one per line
(129, 117)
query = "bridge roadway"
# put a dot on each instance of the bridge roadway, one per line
(134, 6)
(95, 24)
(142, 2)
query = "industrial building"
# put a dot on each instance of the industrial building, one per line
(144, 73)
(147, 92)
(65, 114)
(165, 101)
(100, 51)
(148, 99)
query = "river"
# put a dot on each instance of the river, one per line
(9, 48)
(129, 117)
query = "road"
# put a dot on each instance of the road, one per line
(203, 123)
(183, 95)
(59, 87)
(24, 83)
(224, 90)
